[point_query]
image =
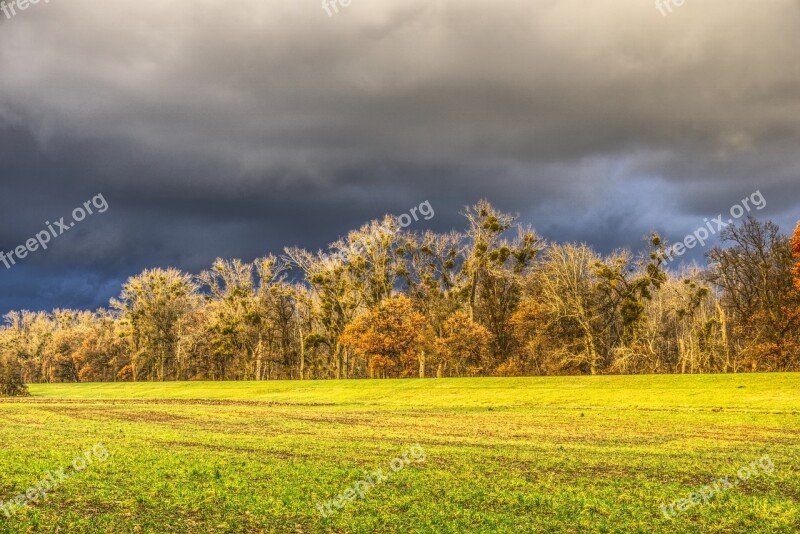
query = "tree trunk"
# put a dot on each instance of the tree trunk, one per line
(724, 326)
(259, 360)
(593, 357)
(338, 357)
(472, 290)
(353, 361)
(682, 347)
(302, 353)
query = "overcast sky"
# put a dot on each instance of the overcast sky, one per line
(233, 129)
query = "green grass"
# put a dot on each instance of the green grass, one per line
(561, 454)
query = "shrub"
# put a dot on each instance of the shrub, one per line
(509, 367)
(11, 383)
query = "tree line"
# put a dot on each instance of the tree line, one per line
(495, 299)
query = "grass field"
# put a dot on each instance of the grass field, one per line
(571, 454)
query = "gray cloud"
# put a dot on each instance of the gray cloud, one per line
(232, 130)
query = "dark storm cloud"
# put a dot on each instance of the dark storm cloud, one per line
(232, 130)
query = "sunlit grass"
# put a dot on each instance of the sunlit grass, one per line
(560, 454)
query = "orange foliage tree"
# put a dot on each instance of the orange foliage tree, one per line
(463, 346)
(796, 252)
(390, 338)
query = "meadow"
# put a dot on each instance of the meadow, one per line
(551, 454)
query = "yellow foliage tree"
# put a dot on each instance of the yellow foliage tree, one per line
(796, 253)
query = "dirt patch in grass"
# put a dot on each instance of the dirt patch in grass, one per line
(180, 402)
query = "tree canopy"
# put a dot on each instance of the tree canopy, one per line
(384, 302)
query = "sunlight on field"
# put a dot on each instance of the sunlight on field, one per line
(561, 454)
